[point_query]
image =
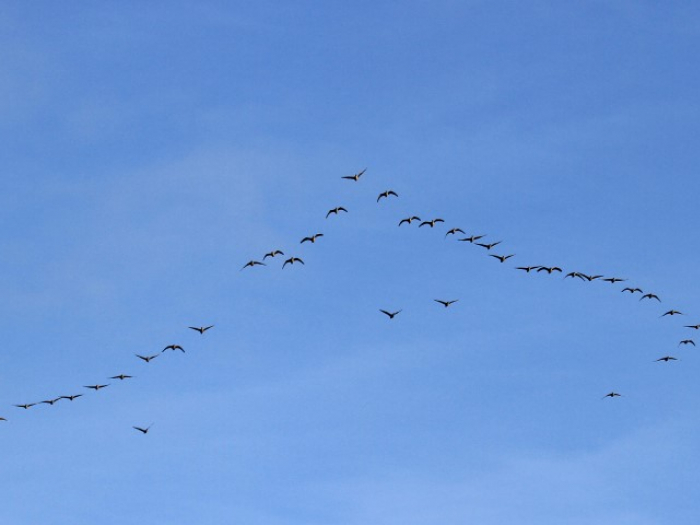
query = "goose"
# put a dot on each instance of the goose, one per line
(147, 358)
(613, 280)
(445, 303)
(549, 270)
(50, 401)
(632, 290)
(26, 405)
(335, 211)
(503, 258)
(121, 377)
(611, 394)
(453, 231)
(391, 314)
(96, 387)
(687, 342)
(488, 246)
(386, 194)
(311, 239)
(253, 263)
(650, 296)
(409, 220)
(173, 347)
(143, 430)
(292, 260)
(666, 359)
(472, 239)
(430, 223)
(355, 177)
(71, 398)
(273, 253)
(201, 329)
(672, 313)
(527, 269)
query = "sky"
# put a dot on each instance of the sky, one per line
(149, 150)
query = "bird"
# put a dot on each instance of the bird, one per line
(430, 223)
(355, 177)
(273, 253)
(409, 220)
(26, 405)
(693, 326)
(650, 296)
(147, 358)
(590, 278)
(576, 274)
(632, 290)
(666, 359)
(173, 347)
(3, 419)
(121, 377)
(527, 269)
(312, 239)
(489, 246)
(453, 231)
(253, 263)
(472, 238)
(335, 211)
(391, 314)
(144, 430)
(549, 269)
(611, 394)
(386, 194)
(503, 258)
(201, 329)
(71, 398)
(687, 342)
(672, 313)
(50, 401)
(292, 260)
(96, 387)
(613, 280)
(445, 303)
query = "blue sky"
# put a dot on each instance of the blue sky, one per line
(150, 151)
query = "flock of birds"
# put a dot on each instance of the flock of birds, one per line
(472, 239)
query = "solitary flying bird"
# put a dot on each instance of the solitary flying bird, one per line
(672, 312)
(409, 220)
(687, 342)
(121, 377)
(273, 253)
(611, 394)
(96, 387)
(173, 347)
(253, 263)
(472, 239)
(355, 177)
(312, 239)
(391, 314)
(430, 223)
(650, 296)
(335, 211)
(201, 329)
(445, 303)
(292, 260)
(386, 194)
(503, 258)
(489, 246)
(147, 358)
(144, 430)
(666, 359)
(453, 231)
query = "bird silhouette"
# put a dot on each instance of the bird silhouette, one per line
(527, 269)
(453, 231)
(430, 223)
(121, 377)
(549, 269)
(488, 246)
(273, 254)
(391, 314)
(445, 303)
(650, 296)
(26, 405)
(147, 358)
(355, 177)
(173, 347)
(672, 313)
(50, 401)
(693, 326)
(502, 258)
(576, 274)
(253, 263)
(143, 430)
(71, 398)
(291, 261)
(590, 278)
(311, 239)
(632, 290)
(666, 359)
(96, 387)
(472, 239)
(409, 220)
(611, 394)
(613, 280)
(687, 342)
(385, 194)
(335, 211)
(201, 329)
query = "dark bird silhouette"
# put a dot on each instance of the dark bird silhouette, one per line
(121, 377)
(386, 194)
(96, 387)
(201, 329)
(632, 290)
(409, 220)
(666, 359)
(50, 401)
(445, 303)
(488, 246)
(253, 263)
(611, 394)
(687, 342)
(391, 314)
(650, 296)
(147, 358)
(71, 398)
(292, 260)
(575, 274)
(273, 253)
(311, 239)
(590, 278)
(143, 430)
(549, 269)
(453, 231)
(613, 280)
(430, 223)
(672, 312)
(335, 211)
(355, 177)
(173, 347)
(527, 269)
(472, 239)
(693, 326)
(26, 405)
(3, 419)
(503, 258)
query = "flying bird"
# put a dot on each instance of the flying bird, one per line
(489, 246)
(590, 278)
(453, 231)
(503, 258)
(527, 269)
(445, 303)
(549, 269)
(71, 398)
(144, 430)
(26, 405)
(201, 329)
(292, 260)
(121, 377)
(96, 387)
(613, 280)
(50, 401)
(147, 358)
(687, 342)
(650, 296)
(335, 211)
(173, 347)
(355, 177)
(576, 274)
(391, 314)
(611, 394)
(666, 359)
(672, 313)
(386, 194)
(273, 253)
(253, 263)
(472, 239)
(430, 223)
(409, 220)
(311, 239)
(693, 326)
(632, 290)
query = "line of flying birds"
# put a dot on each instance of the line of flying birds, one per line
(472, 239)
